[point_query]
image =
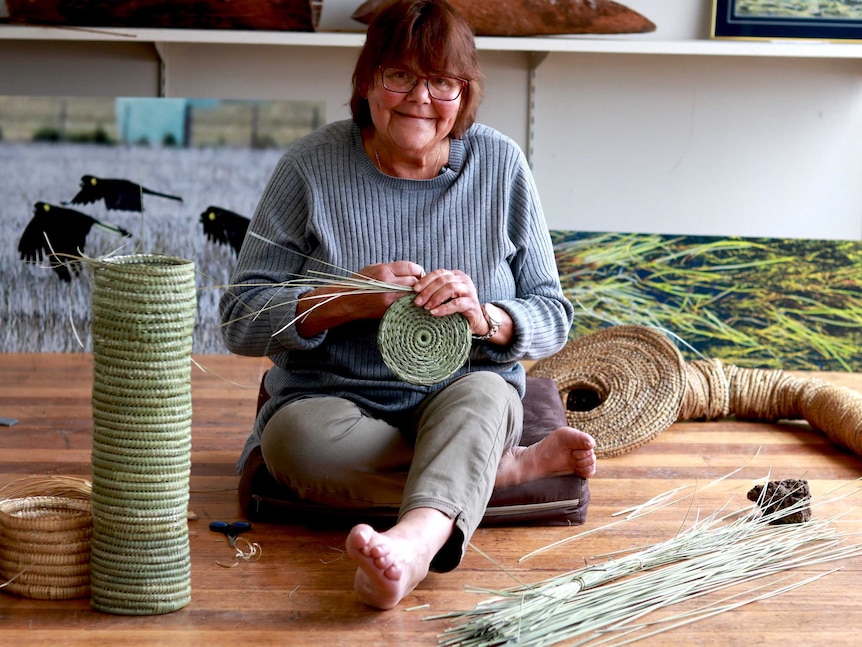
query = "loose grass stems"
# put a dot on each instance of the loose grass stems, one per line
(659, 498)
(349, 285)
(709, 611)
(657, 503)
(497, 564)
(580, 535)
(606, 602)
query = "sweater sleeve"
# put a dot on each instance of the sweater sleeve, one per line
(541, 313)
(257, 307)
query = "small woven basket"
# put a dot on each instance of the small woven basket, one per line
(143, 319)
(45, 539)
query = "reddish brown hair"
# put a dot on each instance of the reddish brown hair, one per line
(428, 36)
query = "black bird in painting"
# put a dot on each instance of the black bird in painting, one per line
(122, 195)
(225, 227)
(59, 234)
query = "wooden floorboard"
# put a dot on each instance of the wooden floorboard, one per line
(300, 592)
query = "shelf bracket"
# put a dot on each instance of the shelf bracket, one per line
(535, 60)
(163, 68)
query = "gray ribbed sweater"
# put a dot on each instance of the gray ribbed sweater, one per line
(327, 200)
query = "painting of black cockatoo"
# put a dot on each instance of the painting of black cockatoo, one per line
(59, 234)
(118, 194)
(225, 227)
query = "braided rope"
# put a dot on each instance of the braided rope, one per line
(143, 318)
(770, 395)
(419, 347)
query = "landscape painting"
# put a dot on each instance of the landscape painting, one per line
(89, 177)
(752, 302)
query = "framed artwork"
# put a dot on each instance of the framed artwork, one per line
(833, 20)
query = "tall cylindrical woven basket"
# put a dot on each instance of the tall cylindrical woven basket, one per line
(143, 318)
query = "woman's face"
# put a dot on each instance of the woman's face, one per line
(412, 122)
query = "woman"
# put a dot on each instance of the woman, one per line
(412, 192)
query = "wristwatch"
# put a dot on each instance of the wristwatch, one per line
(493, 326)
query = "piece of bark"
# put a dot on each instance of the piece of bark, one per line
(781, 495)
(537, 17)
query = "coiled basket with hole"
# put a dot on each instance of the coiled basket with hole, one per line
(143, 319)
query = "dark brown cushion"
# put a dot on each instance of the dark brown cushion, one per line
(559, 500)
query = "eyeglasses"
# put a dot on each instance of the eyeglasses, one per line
(442, 88)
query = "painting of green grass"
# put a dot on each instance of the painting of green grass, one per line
(753, 302)
(846, 9)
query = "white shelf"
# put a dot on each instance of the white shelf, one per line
(626, 44)
(635, 45)
(189, 36)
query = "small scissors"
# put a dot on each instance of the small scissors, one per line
(231, 530)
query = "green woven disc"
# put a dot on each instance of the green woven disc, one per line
(419, 347)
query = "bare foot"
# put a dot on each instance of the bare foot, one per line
(393, 563)
(563, 451)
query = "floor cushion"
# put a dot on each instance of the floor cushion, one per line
(558, 500)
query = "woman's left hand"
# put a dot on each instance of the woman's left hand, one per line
(444, 292)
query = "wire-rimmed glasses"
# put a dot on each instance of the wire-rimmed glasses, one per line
(440, 87)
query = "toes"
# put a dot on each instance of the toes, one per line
(394, 572)
(384, 562)
(359, 539)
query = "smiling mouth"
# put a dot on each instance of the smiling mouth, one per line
(408, 115)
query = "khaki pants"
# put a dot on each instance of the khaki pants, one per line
(328, 450)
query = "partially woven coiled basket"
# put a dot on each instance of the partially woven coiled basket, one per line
(419, 347)
(143, 318)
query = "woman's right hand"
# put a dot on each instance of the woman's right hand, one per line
(343, 309)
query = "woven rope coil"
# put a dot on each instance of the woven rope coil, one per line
(637, 379)
(143, 318)
(772, 395)
(420, 348)
(631, 379)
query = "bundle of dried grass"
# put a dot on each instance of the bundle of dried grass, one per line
(608, 603)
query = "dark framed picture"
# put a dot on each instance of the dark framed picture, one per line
(838, 20)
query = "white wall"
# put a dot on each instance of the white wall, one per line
(700, 145)
(706, 145)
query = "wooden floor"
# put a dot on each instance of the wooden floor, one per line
(300, 592)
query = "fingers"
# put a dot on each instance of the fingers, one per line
(450, 288)
(441, 292)
(406, 268)
(398, 272)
